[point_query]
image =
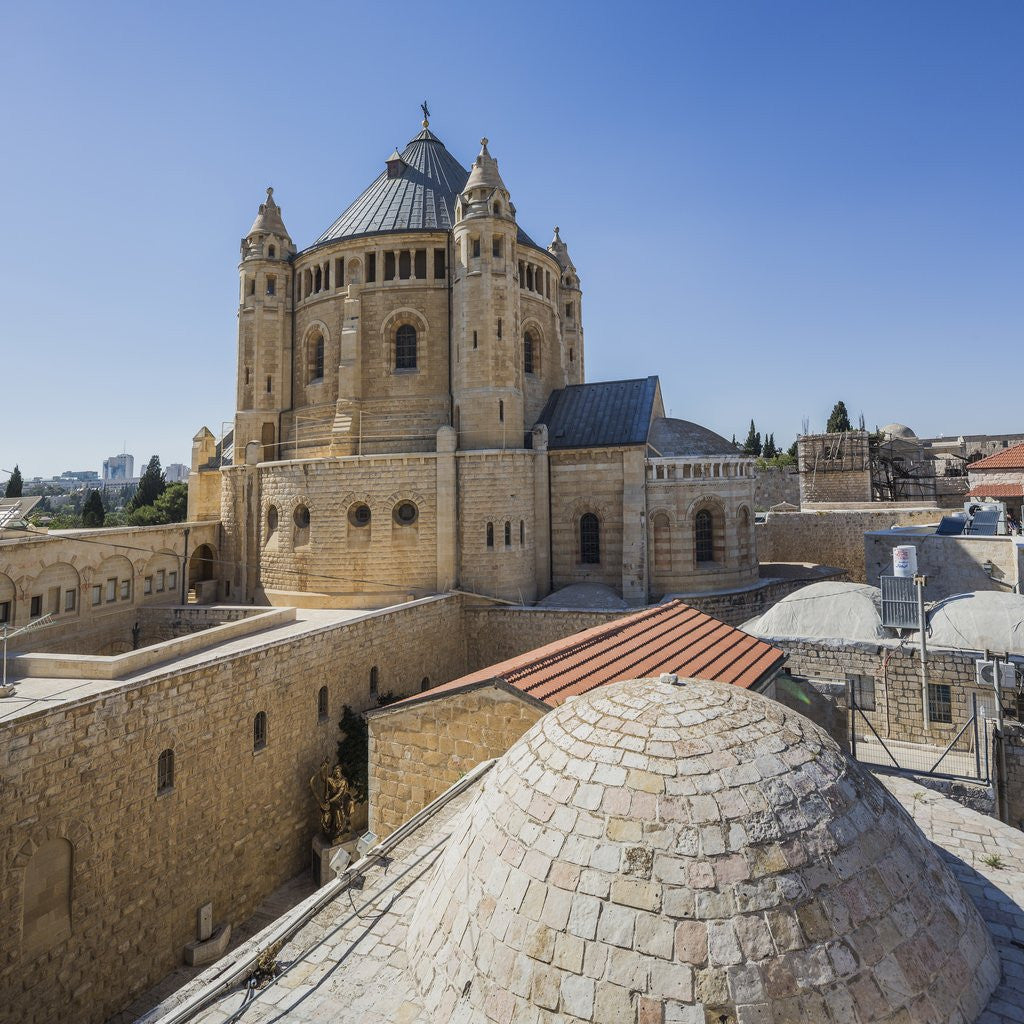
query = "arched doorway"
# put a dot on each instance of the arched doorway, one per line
(200, 574)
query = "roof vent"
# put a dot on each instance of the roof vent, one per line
(395, 164)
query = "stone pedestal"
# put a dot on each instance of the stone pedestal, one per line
(206, 951)
(322, 853)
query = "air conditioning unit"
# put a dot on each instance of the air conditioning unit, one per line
(985, 674)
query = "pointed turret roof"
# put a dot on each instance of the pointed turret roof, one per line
(420, 198)
(485, 171)
(560, 251)
(269, 218)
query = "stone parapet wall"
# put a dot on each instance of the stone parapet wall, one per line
(774, 486)
(832, 537)
(235, 825)
(417, 752)
(1012, 791)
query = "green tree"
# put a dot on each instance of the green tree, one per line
(93, 512)
(794, 449)
(151, 485)
(839, 421)
(14, 484)
(752, 445)
(769, 451)
(354, 748)
(173, 503)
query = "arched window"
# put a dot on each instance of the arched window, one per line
(301, 532)
(271, 252)
(508, 534)
(490, 535)
(374, 681)
(704, 536)
(321, 704)
(165, 772)
(590, 539)
(405, 347)
(528, 352)
(272, 518)
(424, 684)
(259, 731)
(316, 362)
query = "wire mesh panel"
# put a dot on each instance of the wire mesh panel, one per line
(899, 602)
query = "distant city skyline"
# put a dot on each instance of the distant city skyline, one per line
(772, 205)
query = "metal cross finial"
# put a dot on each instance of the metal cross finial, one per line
(426, 112)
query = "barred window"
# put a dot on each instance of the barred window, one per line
(259, 731)
(704, 536)
(405, 348)
(317, 369)
(165, 772)
(321, 704)
(508, 534)
(863, 690)
(490, 535)
(590, 539)
(940, 703)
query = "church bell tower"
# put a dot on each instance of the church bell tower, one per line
(487, 384)
(264, 335)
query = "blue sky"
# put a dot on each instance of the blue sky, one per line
(771, 204)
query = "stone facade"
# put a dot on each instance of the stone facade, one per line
(85, 772)
(775, 486)
(832, 537)
(94, 582)
(834, 467)
(406, 366)
(418, 751)
(953, 565)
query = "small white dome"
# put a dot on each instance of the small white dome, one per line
(899, 430)
(830, 610)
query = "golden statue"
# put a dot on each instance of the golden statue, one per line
(331, 792)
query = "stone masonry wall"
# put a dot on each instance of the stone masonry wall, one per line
(418, 751)
(775, 486)
(236, 824)
(1013, 790)
(833, 538)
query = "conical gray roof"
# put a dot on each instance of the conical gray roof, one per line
(421, 198)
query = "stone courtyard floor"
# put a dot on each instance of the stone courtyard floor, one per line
(348, 962)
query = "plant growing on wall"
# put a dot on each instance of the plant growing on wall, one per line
(354, 748)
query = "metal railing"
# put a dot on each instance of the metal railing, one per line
(965, 756)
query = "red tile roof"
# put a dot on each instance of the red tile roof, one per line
(1009, 458)
(670, 637)
(984, 490)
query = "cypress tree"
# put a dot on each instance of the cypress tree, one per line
(14, 484)
(93, 512)
(151, 485)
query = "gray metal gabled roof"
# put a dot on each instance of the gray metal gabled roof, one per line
(614, 412)
(420, 198)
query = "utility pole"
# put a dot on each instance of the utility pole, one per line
(919, 582)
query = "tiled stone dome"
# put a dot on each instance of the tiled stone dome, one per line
(691, 853)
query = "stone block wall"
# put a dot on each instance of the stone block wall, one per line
(49, 567)
(774, 486)
(834, 467)
(953, 565)
(832, 537)
(1012, 791)
(417, 752)
(236, 823)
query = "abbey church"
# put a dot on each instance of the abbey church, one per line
(413, 417)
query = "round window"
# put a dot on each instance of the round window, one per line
(302, 517)
(406, 513)
(359, 515)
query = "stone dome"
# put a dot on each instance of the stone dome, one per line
(899, 430)
(654, 851)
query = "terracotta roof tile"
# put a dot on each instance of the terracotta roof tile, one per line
(671, 637)
(1009, 458)
(984, 490)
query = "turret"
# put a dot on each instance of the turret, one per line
(570, 311)
(487, 375)
(264, 332)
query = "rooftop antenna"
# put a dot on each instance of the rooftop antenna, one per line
(9, 633)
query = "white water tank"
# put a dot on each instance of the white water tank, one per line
(904, 561)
